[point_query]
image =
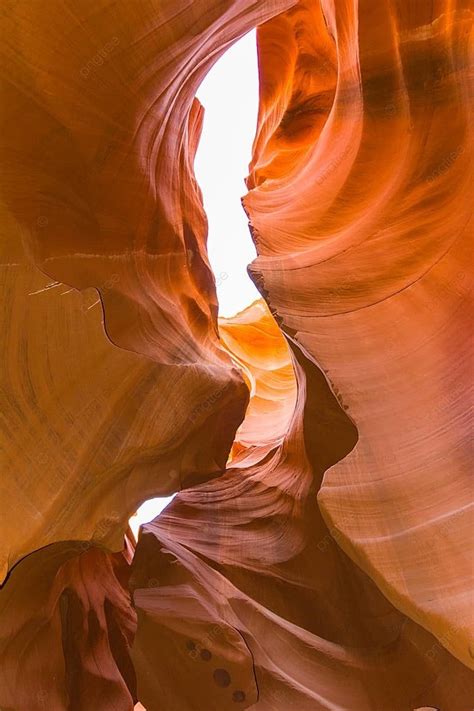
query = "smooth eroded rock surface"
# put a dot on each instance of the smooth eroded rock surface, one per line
(318, 554)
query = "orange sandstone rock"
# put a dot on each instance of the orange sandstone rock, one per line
(364, 249)
(328, 565)
(66, 628)
(106, 405)
(254, 544)
(257, 345)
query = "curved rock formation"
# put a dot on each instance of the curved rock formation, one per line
(318, 553)
(97, 149)
(66, 628)
(373, 283)
(256, 344)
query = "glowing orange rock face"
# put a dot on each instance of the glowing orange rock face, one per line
(373, 285)
(97, 147)
(327, 566)
(255, 342)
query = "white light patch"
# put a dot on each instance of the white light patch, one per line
(148, 511)
(229, 94)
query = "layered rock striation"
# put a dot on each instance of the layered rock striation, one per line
(318, 553)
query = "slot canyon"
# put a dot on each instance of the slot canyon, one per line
(313, 446)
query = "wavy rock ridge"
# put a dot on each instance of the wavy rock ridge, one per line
(318, 553)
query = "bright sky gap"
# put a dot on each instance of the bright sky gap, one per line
(229, 94)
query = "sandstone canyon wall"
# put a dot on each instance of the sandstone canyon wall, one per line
(318, 555)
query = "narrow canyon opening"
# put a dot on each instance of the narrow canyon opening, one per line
(229, 95)
(148, 511)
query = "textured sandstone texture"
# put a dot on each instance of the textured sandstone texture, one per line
(107, 404)
(318, 553)
(256, 344)
(366, 265)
